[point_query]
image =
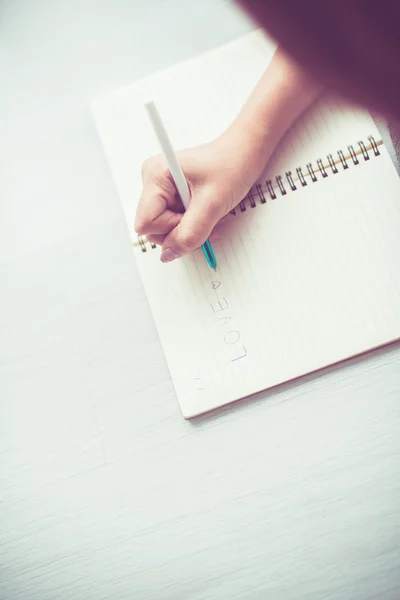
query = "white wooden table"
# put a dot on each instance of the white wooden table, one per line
(106, 492)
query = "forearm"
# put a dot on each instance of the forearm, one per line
(280, 97)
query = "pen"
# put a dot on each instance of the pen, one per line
(176, 171)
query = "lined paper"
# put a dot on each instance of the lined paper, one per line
(303, 281)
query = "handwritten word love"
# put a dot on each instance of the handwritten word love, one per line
(224, 318)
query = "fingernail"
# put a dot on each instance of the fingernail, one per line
(168, 255)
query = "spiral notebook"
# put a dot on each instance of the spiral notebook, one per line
(309, 262)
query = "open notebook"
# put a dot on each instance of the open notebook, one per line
(308, 266)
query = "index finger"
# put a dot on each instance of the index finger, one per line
(153, 214)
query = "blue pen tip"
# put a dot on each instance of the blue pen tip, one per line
(209, 254)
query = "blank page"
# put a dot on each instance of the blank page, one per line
(304, 280)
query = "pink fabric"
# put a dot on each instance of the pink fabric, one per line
(394, 130)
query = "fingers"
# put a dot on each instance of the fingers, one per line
(160, 216)
(193, 229)
(159, 238)
(159, 208)
(156, 239)
(146, 224)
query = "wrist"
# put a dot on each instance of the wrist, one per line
(246, 151)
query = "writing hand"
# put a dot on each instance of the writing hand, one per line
(216, 183)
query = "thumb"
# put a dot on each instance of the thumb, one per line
(194, 228)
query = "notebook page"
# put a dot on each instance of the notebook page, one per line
(303, 281)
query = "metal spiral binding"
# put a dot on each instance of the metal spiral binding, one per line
(332, 164)
(269, 190)
(343, 160)
(353, 155)
(282, 185)
(311, 172)
(142, 243)
(300, 176)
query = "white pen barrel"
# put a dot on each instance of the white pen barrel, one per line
(169, 153)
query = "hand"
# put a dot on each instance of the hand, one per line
(217, 184)
(221, 173)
